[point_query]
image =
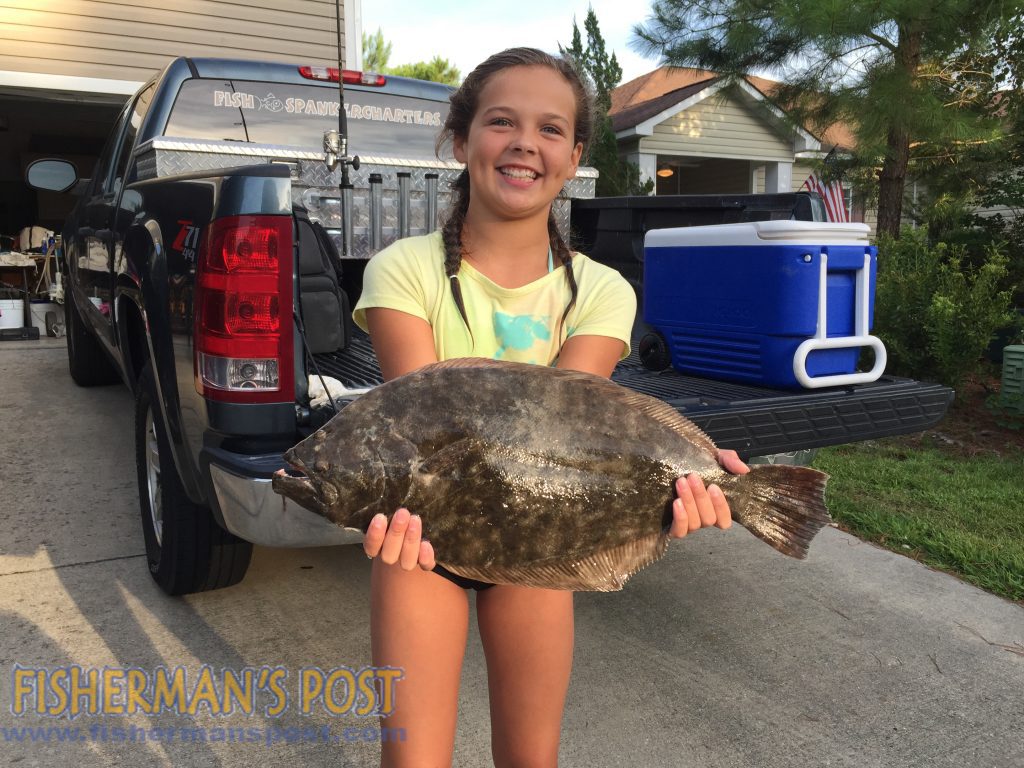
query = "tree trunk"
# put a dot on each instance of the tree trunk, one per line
(893, 176)
(891, 182)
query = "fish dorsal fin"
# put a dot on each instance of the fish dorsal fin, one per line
(653, 408)
(467, 362)
(604, 571)
(599, 387)
(673, 419)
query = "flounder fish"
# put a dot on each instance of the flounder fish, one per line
(530, 475)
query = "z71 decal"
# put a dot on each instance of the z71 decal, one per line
(187, 240)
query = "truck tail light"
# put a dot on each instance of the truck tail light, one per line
(348, 76)
(243, 311)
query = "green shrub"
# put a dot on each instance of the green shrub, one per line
(936, 311)
(1009, 232)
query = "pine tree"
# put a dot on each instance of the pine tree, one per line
(603, 69)
(376, 52)
(616, 176)
(870, 65)
(437, 70)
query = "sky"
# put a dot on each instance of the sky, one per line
(467, 32)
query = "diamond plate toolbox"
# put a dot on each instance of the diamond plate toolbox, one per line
(316, 187)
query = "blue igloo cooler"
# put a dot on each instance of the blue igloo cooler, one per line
(780, 303)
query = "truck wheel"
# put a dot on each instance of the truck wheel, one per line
(654, 352)
(187, 550)
(88, 363)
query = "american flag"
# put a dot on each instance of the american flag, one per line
(831, 194)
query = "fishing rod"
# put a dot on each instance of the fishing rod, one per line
(336, 148)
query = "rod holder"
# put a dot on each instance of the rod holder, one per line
(404, 178)
(431, 223)
(376, 212)
(346, 220)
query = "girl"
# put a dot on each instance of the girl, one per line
(496, 281)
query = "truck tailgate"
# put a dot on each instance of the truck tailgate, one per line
(754, 421)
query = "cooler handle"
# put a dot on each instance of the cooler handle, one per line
(861, 338)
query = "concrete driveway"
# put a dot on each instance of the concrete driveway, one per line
(723, 654)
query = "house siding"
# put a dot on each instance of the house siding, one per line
(800, 174)
(130, 42)
(871, 218)
(1005, 211)
(719, 126)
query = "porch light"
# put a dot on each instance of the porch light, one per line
(665, 170)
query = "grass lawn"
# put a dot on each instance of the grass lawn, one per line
(952, 498)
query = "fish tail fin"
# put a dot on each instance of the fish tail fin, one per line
(785, 506)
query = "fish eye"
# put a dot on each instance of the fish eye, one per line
(328, 493)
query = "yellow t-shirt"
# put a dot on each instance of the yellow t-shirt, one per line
(518, 324)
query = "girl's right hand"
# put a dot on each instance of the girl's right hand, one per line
(400, 542)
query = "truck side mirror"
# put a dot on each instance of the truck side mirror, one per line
(52, 175)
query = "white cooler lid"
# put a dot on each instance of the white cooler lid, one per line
(785, 232)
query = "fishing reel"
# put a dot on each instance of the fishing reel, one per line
(336, 152)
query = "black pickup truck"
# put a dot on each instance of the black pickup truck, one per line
(201, 267)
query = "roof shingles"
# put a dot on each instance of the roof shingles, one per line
(648, 95)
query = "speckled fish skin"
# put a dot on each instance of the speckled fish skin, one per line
(532, 475)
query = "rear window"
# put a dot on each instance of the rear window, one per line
(298, 115)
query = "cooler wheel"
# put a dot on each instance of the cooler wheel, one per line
(653, 351)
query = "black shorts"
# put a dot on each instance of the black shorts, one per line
(461, 581)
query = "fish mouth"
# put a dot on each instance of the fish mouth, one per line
(291, 457)
(299, 489)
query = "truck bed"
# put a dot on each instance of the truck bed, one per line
(754, 421)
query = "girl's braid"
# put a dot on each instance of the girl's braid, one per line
(561, 250)
(451, 235)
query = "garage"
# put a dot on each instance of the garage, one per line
(66, 68)
(37, 123)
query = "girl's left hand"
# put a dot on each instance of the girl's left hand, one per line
(699, 507)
